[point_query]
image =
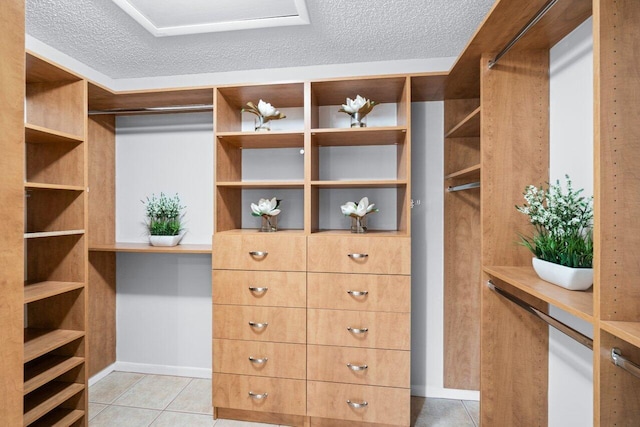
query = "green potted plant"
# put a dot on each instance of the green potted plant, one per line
(164, 220)
(563, 238)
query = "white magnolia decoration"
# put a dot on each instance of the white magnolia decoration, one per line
(360, 210)
(264, 111)
(266, 207)
(360, 106)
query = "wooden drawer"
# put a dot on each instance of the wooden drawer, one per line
(283, 324)
(269, 359)
(283, 396)
(283, 289)
(383, 330)
(271, 251)
(385, 405)
(341, 291)
(389, 368)
(378, 255)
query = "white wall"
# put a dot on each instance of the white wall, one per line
(571, 152)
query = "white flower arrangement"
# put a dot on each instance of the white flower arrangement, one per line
(358, 210)
(266, 207)
(265, 111)
(359, 105)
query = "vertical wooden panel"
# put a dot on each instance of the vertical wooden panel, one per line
(12, 83)
(102, 311)
(102, 183)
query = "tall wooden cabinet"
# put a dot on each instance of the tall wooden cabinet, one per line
(311, 325)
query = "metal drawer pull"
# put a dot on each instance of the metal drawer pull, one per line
(258, 290)
(357, 330)
(357, 256)
(258, 361)
(258, 325)
(362, 404)
(357, 367)
(260, 254)
(258, 396)
(358, 293)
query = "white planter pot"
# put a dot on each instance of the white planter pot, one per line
(574, 279)
(165, 240)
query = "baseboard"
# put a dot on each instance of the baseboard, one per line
(445, 393)
(179, 371)
(100, 375)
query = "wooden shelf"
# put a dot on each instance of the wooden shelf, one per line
(275, 139)
(41, 290)
(389, 135)
(40, 134)
(577, 303)
(261, 184)
(40, 70)
(381, 90)
(470, 172)
(43, 186)
(101, 98)
(288, 95)
(628, 331)
(147, 248)
(260, 233)
(428, 86)
(38, 342)
(377, 233)
(390, 183)
(47, 398)
(59, 417)
(48, 369)
(468, 127)
(42, 234)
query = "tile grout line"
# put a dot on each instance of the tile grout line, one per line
(473, 421)
(120, 395)
(178, 394)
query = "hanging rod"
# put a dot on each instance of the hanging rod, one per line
(626, 364)
(523, 31)
(552, 321)
(155, 110)
(463, 187)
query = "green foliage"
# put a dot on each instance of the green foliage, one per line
(164, 217)
(563, 223)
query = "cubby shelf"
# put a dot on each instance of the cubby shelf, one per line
(577, 303)
(41, 290)
(258, 232)
(43, 234)
(380, 233)
(38, 342)
(468, 127)
(360, 184)
(273, 139)
(60, 417)
(261, 184)
(389, 135)
(146, 248)
(40, 134)
(470, 172)
(47, 398)
(40, 70)
(627, 331)
(45, 186)
(47, 369)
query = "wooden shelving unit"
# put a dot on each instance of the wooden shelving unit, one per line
(472, 172)
(41, 135)
(146, 248)
(48, 369)
(467, 127)
(41, 290)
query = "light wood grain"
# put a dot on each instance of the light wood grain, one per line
(47, 369)
(56, 258)
(387, 368)
(64, 311)
(285, 95)
(284, 360)
(45, 234)
(40, 69)
(55, 163)
(383, 292)
(257, 140)
(390, 135)
(460, 154)
(57, 105)
(628, 331)
(472, 172)
(283, 289)
(47, 398)
(60, 417)
(38, 342)
(40, 135)
(102, 180)
(384, 330)
(260, 184)
(285, 252)
(385, 405)
(147, 248)
(468, 126)
(54, 211)
(284, 324)
(41, 290)
(385, 255)
(101, 311)
(101, 98)
(428, 87)
(387, 183)
(262, 417)
(456, 110)
(283, 395)
(379, 89)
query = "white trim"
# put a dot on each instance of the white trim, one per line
(100, 375)
(180, 371)
(444, 393)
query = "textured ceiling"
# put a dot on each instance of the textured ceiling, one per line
(99, 34)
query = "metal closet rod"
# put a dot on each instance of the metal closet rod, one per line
(155, 110)
(621, 362)
(552, 321)
(463, 187)
(523, 31)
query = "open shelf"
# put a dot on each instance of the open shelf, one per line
(388, 135)
(258, 232)
(47, 369)
(628, 331)
(47, 398)
(41, 290)
(577, 303)
(470, 172)
(59, 417)
(347, 232)
(40, 134)
(272, 139)
(261, 184)
(40, 70)
(468, 127)
(390, 183)
(146, 248)
(43, 234)
(38, 342)
(43, 186)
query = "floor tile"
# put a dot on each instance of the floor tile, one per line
(122, 416)
(95, 409)
(232, 423)
(196, 397)
(112, 386)
(473, 408)
(174, 419)
(153, 392)
(443, 413)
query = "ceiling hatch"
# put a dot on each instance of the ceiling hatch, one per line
(177, 17)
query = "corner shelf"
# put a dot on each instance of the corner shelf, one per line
(146, 248)
(470, 172)
(257, 140)
(468, 127)
(41, 290)
(577, 303)
(627, 331)
(47, 398)
(48, 369)
(38, 342)
(40, 134)
(42, 234)
(387, 135)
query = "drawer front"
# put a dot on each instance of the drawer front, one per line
(368, 329)
(265, 288)
(359, 292)
(384, 405)
(360, 254)
(274, 324)
(265, 359)
(266, 251)
(281, 396)
(389, 368)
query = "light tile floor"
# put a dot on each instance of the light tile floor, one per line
(124, 399)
